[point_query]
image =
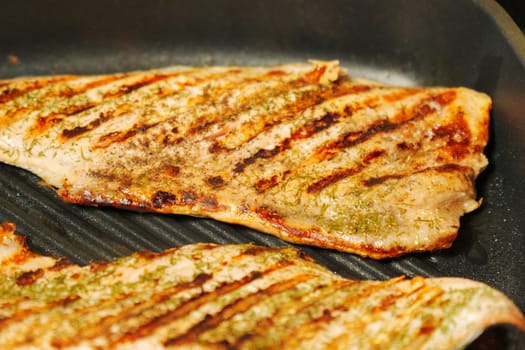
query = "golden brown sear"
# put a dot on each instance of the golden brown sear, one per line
(207, 296)
(301, 151)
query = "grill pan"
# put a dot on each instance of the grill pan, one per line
(407, 42)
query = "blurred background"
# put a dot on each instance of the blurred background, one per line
(516, 9)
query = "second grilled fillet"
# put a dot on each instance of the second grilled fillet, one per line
(207, 296)
(300, 151)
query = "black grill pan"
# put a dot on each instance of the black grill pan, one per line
(408, 42)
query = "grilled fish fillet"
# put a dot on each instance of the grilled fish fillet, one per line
(207, 296)
(300, 151)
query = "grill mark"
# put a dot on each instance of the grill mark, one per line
(325, 121)
(70, 91)
(138, 129)
(88, 331)
(457, 135)
(313, 76)
(79, 130)
(336, 176)
(297, 334)
(351, 139)
(340, 174)
(320, 124)
(239, 306)
(127, 313)
(305, 100)
(124, 135)
(373, 155)
(120, 109)
(299, 306)
(29, 277)
(21, 314)
(145, 81)
(11, 94)
(423, 295)
(76, 109)
(254, 250)
(247, 102)
(374, 181)
(418, 112)
(192, 304)
(218, 97)
(42, 123)
(308, 130)
(263, 185)
(388, 302)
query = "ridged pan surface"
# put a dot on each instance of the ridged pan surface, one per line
(407, 43)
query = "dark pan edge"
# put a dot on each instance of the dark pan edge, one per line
(508, 27)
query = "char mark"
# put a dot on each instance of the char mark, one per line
(162, 198)
(104, 116)
(188, 197)
(466, 171)
(121, 136)
(79, 130)
(326, 121)
(373, 155)
(145, 81)
(320, 321)
(240, 305)
(303, 101)
(172, 170)
(215, 181)
(379, 180)
(308, 130)
(260, 154)
(190, 305)
(10, 94)
(353, 138)
(418, 112)
(61, 263)
(136, 129)
(219, 98)
(299, 306)
(159, 321)
(336, 176)
(263, 185)
(29, 277)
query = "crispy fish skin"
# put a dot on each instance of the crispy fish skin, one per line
(207, 296)
(300, 151)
